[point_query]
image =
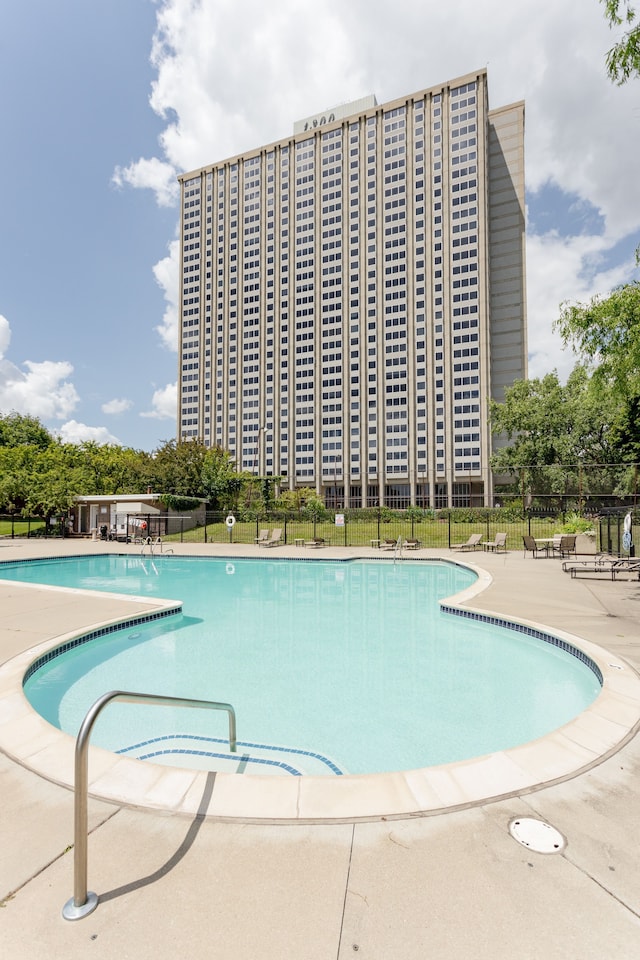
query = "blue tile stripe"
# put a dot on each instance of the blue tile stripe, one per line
(218, 756)
(36, 560)
(94, 634)
(529, 632)
(241, 743)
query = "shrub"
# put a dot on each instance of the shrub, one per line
(574, 523)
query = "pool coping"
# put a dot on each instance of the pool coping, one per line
(593, 736)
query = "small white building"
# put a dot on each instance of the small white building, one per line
(128, 516)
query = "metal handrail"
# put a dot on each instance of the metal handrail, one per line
(397, 553)
(151, 543)
(160, 544)
(83, 901)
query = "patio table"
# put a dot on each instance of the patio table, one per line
(545, 543)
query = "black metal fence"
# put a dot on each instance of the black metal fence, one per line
(432, 529)
(13, 526)
(611, 534)
(440, 529)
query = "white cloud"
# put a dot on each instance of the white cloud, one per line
(153, 174)
(74, 432)
(44, 391)
(227, 83)
(116, 406)
(164, 403)
(556, 274)
(166, 274)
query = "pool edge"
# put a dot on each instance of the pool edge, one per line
(588, 740)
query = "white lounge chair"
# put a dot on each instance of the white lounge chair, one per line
(497, 544)
(388, 544)
(474, 541)
(274, 540)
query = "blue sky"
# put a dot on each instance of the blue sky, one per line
(103, 103)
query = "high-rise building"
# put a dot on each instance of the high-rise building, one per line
(353, 295)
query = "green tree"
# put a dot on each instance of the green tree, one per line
(112, 469)
(45, 479)
(16, 430)
(41, 481)
(314, 509)
(623, 59)
(177, 468)
(221, 484)
(606, 334)
(295, 499)
(625, 431)
(17, 468)
(554, 430)
(56, 483)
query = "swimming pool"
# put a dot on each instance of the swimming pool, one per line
(333, 667)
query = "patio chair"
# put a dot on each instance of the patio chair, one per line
(274, 540)
(475, 540)
(531, 546)
(412, 543)
(497, 544)
(567, 546)
(555, 546)
(264, 535)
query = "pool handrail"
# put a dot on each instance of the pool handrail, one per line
(151, 543)
(83, 902)
(397, 552)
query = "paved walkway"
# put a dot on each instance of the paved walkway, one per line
(452, 885)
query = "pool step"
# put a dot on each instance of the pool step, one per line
(212, 753)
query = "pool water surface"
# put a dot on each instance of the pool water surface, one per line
(332, 667)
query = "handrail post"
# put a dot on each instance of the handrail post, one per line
(83, 902)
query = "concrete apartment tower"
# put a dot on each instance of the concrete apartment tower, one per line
(353, 295)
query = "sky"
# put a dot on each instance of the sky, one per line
(104, 102)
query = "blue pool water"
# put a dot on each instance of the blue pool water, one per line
(332, 667)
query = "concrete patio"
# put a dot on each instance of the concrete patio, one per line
(445, 885)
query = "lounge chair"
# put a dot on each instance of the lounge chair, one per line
(602, 563)
(264, 535)
(625, 565)
(388, 544)
(274, 540)
(412, 544)
(530, 545)
(475, 540)
(315, 542)
(497, 544)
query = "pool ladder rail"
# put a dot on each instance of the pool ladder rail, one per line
(83, 902)
(149, 543)
(397, 551)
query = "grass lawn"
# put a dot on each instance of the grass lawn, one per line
(20, 528)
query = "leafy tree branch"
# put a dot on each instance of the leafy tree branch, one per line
(623, 59)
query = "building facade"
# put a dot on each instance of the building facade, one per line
(352, 297)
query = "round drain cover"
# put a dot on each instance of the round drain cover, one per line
(537, 835)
